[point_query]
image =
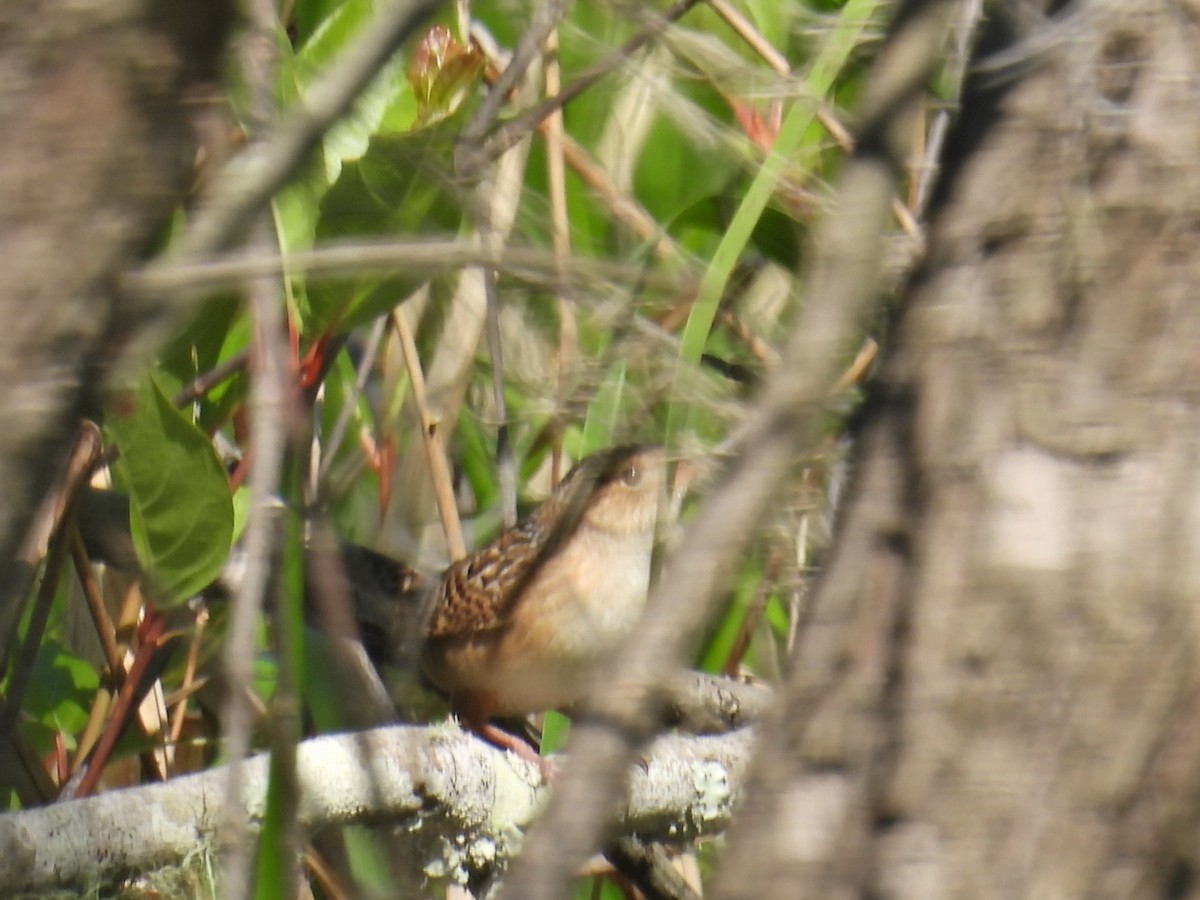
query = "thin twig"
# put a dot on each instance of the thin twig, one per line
(48, 520)
(560, 236)
(206, 381)
(431, 435)
(520, 125)
(473, 165)
(268, 437)
(751, 36)
(325, 877)
(59, 509)
(762, 351)
(624, 208)
(95, 603)
(858, 369)
(505, 463)
(189, 684)
(22, 669)
(766, 51)
(648, 866)
(472, 154)
(927, 171)
(417, 257)
(150, 636)
(350, 402)
(743, 28)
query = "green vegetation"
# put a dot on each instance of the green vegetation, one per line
(692, 172)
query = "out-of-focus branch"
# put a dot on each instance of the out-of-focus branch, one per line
(425, 256)
(521, 125)
(269, 397)
(469, 155)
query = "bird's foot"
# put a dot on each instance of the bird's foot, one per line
(503, 740)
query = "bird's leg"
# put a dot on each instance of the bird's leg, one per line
(474, 713)
(498, 737)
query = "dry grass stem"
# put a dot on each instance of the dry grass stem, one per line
(431, 436)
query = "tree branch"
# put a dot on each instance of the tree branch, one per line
(471, 801)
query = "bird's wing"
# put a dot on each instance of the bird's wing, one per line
(476, 592)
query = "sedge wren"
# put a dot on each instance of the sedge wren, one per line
(520, 625)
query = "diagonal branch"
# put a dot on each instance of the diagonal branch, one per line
(508, 134)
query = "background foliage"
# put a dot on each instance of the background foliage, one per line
(694, 170)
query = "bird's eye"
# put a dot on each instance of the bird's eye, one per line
(632, 476)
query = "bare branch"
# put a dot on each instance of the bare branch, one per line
(685, 787)
(524, 123)
(427, 257)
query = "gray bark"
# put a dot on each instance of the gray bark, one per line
(461, 804)
(96, 154)
(998, 691)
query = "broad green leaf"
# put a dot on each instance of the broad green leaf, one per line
(401, 186)
(336, 28)
(218, 332)
(673, 173)
(61, 690)
(387, 105)
(180, 509)
(309, 14)
(349, 139)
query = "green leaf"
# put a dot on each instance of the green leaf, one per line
(604, 411)
(367, 854)
(338, 24)
(180, 509)
(555, 729)
(272, 862)
(61, 690)
(219, 331)
(309, 15)
(400, 186)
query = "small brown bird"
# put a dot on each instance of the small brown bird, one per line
(520, 625)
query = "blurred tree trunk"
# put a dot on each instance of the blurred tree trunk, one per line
(998, 690)
(97, 151)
